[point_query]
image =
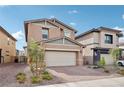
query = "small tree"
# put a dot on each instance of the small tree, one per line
(115, 53)
(102, 62)
(36, 57)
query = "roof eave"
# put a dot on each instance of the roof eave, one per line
(87, 32)
(64, 24)
(9, 35)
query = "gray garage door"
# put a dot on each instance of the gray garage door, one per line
(57, 58)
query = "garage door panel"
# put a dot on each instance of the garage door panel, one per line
(60, 58)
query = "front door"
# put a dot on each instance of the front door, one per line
(96, 57)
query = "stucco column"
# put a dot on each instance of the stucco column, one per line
(79, 58)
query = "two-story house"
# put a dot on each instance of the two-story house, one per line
(7, 46)
(98, 42)
(61, 48)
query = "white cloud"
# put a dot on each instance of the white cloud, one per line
(52, 16)
(121, 39)
(73, 24)
(119, 28)
(2, 6)
(73, 12)
(18, 35)
(123, 16)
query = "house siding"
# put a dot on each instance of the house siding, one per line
(8, 51)
(55, 31)
(102, 39)
(94, 40)
(35, 32)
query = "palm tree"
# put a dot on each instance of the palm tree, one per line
(36, 57)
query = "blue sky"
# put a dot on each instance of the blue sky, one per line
(81, 18)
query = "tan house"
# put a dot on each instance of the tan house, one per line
(98, 42)
(7, 46)
(61, 48)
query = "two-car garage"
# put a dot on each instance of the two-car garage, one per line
(60, 58)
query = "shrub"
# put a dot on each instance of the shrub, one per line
(45, 72)
(102, 62)
(46, 75)
(21, 77)
(106, 71)
(36, 79)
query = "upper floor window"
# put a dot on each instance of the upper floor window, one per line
(67, 33)
(108, 39)
(45, 33)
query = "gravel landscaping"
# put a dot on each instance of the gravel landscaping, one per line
(8, 72)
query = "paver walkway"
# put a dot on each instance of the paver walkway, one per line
(110, 82)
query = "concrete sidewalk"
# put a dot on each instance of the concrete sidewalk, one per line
(110, 82)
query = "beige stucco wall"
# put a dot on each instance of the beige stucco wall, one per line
(95, 39)
(90, 38)
(85, 37)
(102, 39)
(63, 27)
(88, 54)
(8, 51)
(35, 32)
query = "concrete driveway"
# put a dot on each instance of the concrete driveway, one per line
(109, 82)
(77, 73)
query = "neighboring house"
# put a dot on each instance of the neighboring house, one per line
(20, 56)
(61, 48)
(25, 51)
(121, 46)
(98, 42)
(20, 53)
(7, 46)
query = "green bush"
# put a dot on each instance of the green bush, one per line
(45, 72)
(21, 77)
(46, 75)
(102, 62)
(36, 79)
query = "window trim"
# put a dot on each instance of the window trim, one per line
(108, 41)
(47, 33)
